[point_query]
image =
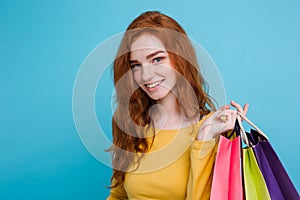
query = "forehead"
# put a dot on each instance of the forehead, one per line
(146, 42)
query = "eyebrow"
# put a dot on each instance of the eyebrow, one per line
(149, 56)
(154, 54)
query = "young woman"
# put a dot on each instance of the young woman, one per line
(165, 127)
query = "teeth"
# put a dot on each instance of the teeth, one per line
(152, 85)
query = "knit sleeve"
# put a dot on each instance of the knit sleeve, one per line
(202, 155)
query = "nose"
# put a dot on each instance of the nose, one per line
(147, 73)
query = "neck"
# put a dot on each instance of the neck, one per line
(169, 106)
(167, 112)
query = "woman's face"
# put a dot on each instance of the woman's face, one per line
(151, 67)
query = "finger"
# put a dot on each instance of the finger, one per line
(246, 108)
(232, 119)
(226, 107)
(230, 122)
(237, 106)
(226, 114)
(220, 112)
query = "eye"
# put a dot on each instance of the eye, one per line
(135, 65)
(157, 59)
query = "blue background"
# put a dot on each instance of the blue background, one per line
(255, 45)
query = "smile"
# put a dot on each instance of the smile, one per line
(153, 85)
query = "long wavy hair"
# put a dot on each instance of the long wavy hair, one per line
(133, 104)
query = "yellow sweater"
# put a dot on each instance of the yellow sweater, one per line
(178, 167)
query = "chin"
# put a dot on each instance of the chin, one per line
(157, 97)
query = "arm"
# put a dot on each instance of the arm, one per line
(204, 149)
(202, 155)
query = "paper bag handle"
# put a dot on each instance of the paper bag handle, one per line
(242, 131)
(251, 124)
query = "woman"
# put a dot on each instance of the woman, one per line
(165, 127)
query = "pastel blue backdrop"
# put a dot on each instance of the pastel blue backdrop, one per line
(255, 45)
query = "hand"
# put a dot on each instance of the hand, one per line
(221, 121)
(243, 110)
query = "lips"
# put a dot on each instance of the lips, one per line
(153, 85)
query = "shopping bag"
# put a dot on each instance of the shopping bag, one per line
(279, 184)
(227, 179)
(254, 184)
(264, 174)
